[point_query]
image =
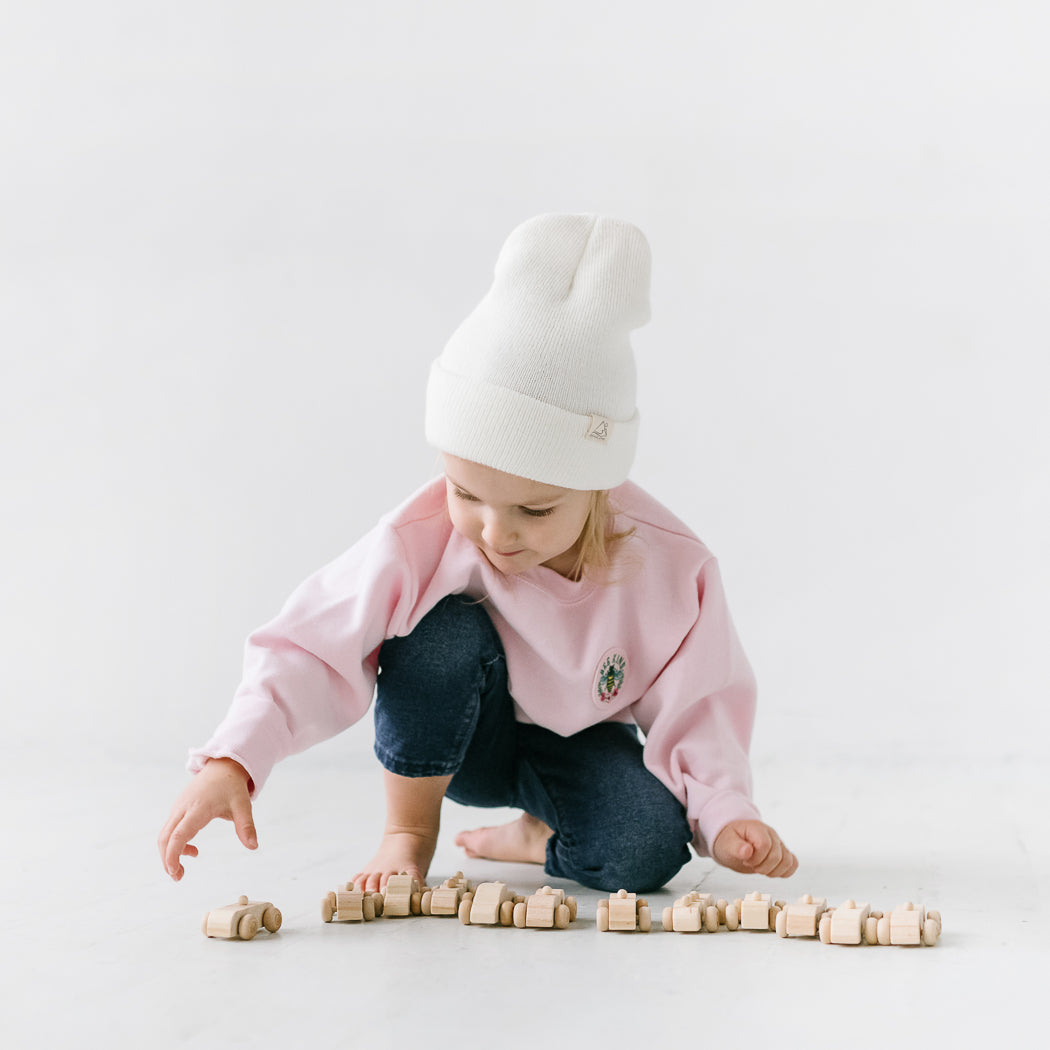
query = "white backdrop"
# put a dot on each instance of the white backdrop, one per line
(234, 234)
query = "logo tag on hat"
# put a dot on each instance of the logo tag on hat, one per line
(599, 428)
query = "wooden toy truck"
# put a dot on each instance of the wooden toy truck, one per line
(909, 925)
(403, 896)
(446, 898)
(758, 911)
(492, 905)
(850, 923)
(350, 905)
(700, 911)
(623, 911)
(801, 919)
(241, 921)
(545, 909)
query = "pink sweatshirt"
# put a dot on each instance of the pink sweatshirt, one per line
(656, 648)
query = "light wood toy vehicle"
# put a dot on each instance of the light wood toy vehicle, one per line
(492, 905)
(403, 896)
(758, 911)
(801, 919)
(446, 898)
(350, 905)
(700, 911)
(624, 911)
(850, 923)
(241, 921)
(909, 925)
(546, 909)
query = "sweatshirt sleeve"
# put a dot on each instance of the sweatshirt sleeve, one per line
(310, 673)
(698, 715)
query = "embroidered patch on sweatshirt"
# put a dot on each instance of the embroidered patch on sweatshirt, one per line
(609, 679)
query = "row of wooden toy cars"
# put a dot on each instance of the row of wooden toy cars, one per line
(495, 904)
(809, 916)
(490, 904)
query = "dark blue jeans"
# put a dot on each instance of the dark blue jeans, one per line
(443, 707)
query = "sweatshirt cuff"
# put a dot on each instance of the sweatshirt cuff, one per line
(718, 811)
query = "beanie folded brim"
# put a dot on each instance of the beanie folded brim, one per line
(509, 431)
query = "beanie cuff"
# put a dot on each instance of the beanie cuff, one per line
(509, 431)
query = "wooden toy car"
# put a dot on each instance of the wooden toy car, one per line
(623, 911)
(801, 919)
(909, 925)
(758, 911)
(350, 905)
(492, 905)
(403, 896)
(700, 911)
(241, 921)
(850, 923)
(545, 909)
(446, 898)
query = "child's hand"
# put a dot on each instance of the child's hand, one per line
(753, 848)
(220, 789)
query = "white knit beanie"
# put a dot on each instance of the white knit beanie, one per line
(539, 381)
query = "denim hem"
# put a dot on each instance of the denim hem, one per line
(401, 767)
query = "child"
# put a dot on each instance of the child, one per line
(520, 618)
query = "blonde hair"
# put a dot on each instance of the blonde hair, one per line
(598, 540)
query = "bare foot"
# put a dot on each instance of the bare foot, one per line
(523, 840)
(400, 851)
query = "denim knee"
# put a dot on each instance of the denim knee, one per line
(428, 692)
(640, 851)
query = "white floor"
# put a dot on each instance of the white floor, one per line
(101, 949)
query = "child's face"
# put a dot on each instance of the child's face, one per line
(516, 523)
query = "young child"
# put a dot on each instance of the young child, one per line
(522, 617)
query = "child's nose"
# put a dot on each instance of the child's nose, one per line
(497, 532)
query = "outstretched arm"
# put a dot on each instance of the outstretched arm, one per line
(753, 848)
(219, 790)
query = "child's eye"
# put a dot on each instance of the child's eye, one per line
(460, 494)
(538, 513)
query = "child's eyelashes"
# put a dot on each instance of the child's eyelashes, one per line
(528, 511)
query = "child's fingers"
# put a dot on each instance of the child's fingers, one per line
(776, 860)
(178, 846)
(241, 815)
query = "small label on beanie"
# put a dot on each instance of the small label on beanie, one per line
(599, 429)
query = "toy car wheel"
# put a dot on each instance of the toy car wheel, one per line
(571, 903)
(824, 929)
(711, 919)
(506, 913)
(416, 904)
(272, 919)
(645, 919)
(931, 931)
(871, 929)
(464, 912)
(204, 924)
(562, 917)
(518, 916)
(248, 927)
(781, 924)
(425, 902)
(668, 919)
(732, 917)
(368, 907)
(601, 919)
(883, 930)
